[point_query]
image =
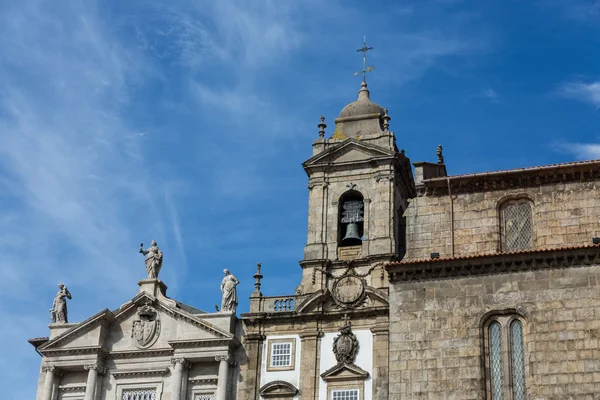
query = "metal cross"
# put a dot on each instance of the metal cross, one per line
(364, 50)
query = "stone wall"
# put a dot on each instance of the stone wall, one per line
(436, 331)
(564, 214)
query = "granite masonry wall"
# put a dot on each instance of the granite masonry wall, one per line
(564, 214)
(437, 335)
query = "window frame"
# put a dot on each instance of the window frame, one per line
(505, 319)
(513, 201)
(292, 365)
(345, 389)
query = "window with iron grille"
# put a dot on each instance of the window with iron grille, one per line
(281, 354)
(505, 358)
(143, 394)
(199, 396)
(517, 225)
(345, 394)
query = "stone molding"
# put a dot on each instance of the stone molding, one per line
(139, 372)
(104, 318)
(333, 373)
(202, 343)
(493, 264)
(95, 350)
(141, 353)
(278, 389)
(511, 179)
(204, 381)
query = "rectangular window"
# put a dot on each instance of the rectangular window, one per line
(281, 354)
(345, 394)
(199, 396)
(143, 394)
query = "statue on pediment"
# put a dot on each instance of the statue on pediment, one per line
(154, 259)
(58, 313)
(229, 300)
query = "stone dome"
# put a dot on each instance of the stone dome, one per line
(362, 106)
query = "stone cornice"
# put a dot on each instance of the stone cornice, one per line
(142, 353)
(204, 380)
(492, 264)
(232, 342)
(512, 179)
(139, 372)
(97, 350)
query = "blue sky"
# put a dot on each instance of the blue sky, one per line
(187, 122)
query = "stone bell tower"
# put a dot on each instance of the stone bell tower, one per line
(329, 340)
(359, 187)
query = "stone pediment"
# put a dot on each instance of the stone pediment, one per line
(278, 390)
(372, 298)
(143, 324)
(344, 372)
(351, 151)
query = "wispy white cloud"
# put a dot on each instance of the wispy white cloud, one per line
(489, 94)
(582, 151)
(588, 92)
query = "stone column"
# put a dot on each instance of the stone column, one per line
(91, 384)
(179, 365)
(49, 374)
(224, 361)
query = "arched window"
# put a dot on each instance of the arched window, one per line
(505, 358)
(350, 219)
(517, 225)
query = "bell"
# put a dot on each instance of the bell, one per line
(352, 237)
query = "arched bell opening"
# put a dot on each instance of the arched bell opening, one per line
(351, 219)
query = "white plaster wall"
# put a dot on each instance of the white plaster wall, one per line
(291, 376)
(364, 360)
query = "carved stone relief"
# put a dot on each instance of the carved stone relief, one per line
(146, 328)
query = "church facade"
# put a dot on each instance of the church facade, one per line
(414, 286)
(150, 348)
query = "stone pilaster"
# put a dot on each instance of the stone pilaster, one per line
(381, 338)
(309, 364)
(250, 368)
(51, 373)
(180, 365)
(92, 380)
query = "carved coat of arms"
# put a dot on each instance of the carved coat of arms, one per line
(345, 346)
(146, 328)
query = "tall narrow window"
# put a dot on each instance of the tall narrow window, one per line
(517, 360)
(496, 363)
(517, 225)
(505, 357)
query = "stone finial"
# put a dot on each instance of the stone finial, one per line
(440, 156)
(258, 276)
(386, 120)
(58, 312)
(154, 259)
(322, 127)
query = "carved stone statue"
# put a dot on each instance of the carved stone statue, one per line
(58, 313)
(154, 259)
(230, 300)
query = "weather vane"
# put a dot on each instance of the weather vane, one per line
(365, 69)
